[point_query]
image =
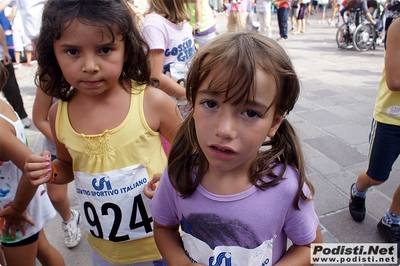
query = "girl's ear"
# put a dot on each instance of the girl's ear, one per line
(275, 124)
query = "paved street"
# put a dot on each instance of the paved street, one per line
(332, 116)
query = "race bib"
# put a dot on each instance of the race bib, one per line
(113, 204)
(199, 252)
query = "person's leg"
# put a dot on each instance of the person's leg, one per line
(285, 14)
(279, 14)
(12, 93)
(17, 57)
(241, 21)
(395, 205)
(27, 43)
(268, 19)
(334, 11)
(58, 195)
(300, 16)
(18, 48)
(307, 14)
(323, 13)
(28, 55)
(384, 150)
(263, 23)
(389, 225)
(21, 253)
(319, 15)
(232, 21)
(47, 254)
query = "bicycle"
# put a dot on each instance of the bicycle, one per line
(365, 36)
(344, 34)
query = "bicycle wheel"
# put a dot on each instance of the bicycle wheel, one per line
(364, 37)
(342, 36)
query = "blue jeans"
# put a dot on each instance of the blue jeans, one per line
(283, 21)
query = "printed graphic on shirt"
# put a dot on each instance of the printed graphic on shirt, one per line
(183, 52)
(114, 205)
(215, 241)
(393, 111)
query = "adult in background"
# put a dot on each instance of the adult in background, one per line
(11, 89)
(264, 17)
(237, 16)
(31, 13)
(282, 12)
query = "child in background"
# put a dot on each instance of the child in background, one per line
(226, 193)
(24, 208)
(106, 125)
(202, 20)
(58, 193)
(169, 35)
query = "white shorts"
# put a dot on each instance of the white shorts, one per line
(21, 41)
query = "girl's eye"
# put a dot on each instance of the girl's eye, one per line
(105, 50)
(251, 114)
(209, 104)
(72, 51)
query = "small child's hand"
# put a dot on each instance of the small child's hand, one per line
(150, 188)
(13, 219)
(38, 168)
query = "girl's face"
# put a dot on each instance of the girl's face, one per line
(229, 135)
(88, 58)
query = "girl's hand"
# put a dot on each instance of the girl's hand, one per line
(14, 219)
(38, 168)
(150, 188)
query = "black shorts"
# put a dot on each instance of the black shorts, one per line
(384, 149)
(24, 242)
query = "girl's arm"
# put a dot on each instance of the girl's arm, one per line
(299, 255)
(167, 84)
(40, 112)
(392, 56)
(170, 245)
(39, 168)
(13, 149)
(161, 113)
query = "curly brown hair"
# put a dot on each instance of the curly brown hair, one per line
(105, 14)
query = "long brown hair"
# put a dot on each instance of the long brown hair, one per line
(172, 10)
(107, 15)
(237, 56)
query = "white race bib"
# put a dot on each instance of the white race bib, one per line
(199, 252)
(113, 204)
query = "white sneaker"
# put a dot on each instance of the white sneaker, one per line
(26, 122)
(72, 233)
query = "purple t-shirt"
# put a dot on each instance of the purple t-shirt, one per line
(246, 219)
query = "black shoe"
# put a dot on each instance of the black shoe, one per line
(390, 233)
(357, 207)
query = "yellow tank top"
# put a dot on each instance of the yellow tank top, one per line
(132, 142)
(387, 106)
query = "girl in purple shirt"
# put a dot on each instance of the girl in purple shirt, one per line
(235, 189)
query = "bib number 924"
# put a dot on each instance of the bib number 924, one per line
(113, 209)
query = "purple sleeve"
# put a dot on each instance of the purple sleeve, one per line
(302, 224)
(163, 205)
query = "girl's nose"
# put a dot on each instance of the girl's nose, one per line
(90, 64)
(226, 125)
